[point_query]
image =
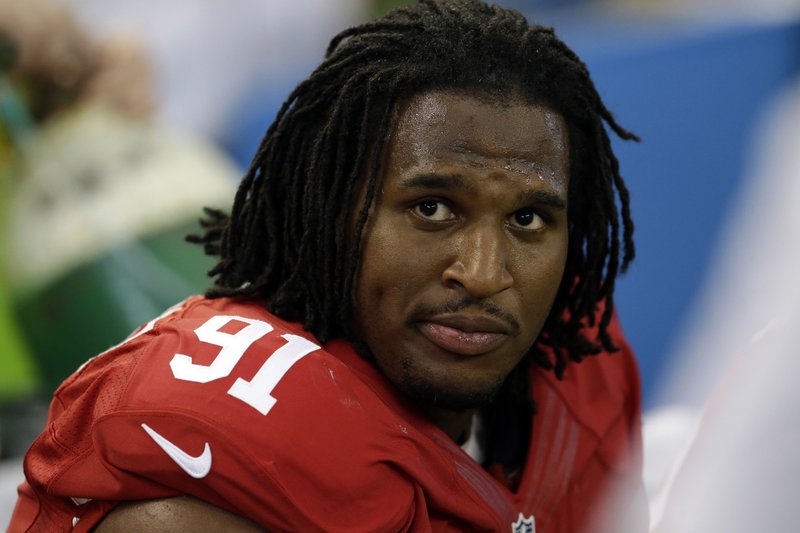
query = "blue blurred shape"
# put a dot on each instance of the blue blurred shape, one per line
(695, 92)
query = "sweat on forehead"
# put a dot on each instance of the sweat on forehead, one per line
(475, 130)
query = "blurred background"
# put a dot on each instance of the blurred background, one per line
(120, 120)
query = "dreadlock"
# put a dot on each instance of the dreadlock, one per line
(288, 239)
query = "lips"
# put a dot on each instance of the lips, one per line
(464, 336)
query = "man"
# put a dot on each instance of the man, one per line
(420, 256)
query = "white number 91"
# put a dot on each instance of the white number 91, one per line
(257, 392)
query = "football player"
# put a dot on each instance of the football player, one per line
(412, 324)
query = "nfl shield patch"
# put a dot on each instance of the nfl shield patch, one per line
(524, 525)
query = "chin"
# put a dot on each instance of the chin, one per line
(427, 393)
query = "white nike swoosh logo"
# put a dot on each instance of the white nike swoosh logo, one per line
(197, 467)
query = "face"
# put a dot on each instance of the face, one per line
(465, 246)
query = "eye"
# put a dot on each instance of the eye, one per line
(433, 210)
(527, 219)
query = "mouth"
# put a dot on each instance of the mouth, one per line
(463, 335)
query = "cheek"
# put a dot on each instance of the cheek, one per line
(540, 277)
(393, 262)
(385, 292)
(383, 274)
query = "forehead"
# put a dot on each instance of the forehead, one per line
(461, 127)
(438, 109)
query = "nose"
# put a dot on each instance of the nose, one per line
(480, 262)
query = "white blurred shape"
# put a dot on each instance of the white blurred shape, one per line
(207, 53)
(10, 477)
(742, 471)
(667, 434)
(92, 180)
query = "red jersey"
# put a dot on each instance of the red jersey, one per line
(223, 401)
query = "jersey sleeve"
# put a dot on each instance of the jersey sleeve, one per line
(293, 442)
(588, 445)
(625, 505)
(611, 390)
(301, 487)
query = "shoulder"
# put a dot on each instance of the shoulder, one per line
(198, 340)
(229, 399)
(602, 389)
(593, 418)
(615, 373)
(234, 369)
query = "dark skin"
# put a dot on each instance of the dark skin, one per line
(176, 515)
(462, 257)
(464, 249)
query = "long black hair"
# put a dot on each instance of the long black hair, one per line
(288, 240)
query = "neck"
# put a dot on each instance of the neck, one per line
(456, 424)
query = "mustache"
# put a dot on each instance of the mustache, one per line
(424, 311)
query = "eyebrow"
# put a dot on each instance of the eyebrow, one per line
(454, 181)
(438, 181)
(547, 198)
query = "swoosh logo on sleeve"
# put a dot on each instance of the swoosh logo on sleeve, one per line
(197, 467)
